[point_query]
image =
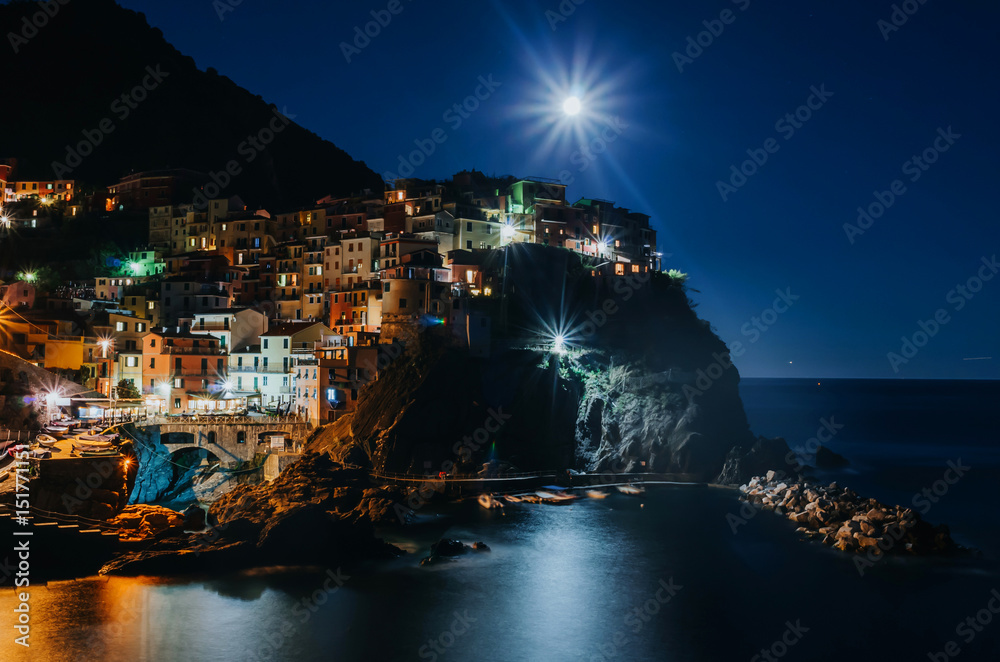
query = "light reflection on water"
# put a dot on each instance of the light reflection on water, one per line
(562, 583)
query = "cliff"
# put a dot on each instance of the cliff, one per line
(643, 385)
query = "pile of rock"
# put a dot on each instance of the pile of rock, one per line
(143, 521)
(840, 518)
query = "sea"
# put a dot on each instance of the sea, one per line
(675, 574)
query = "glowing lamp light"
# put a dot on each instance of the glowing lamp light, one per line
(227, 386)
(507, 232)
(559, 344)
(602, 246)
(30, 277)
(572, 106)
(135, 267)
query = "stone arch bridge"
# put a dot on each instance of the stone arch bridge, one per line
(232, 440)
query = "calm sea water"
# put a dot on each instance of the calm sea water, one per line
(661, 577)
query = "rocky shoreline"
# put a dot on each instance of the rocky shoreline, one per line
(840, 518)
(320, 513)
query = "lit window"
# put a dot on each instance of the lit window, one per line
(132, 361)
(120, 326)
(620, 269)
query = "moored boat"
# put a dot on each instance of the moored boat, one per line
(631, 490)
(598, 494)
(46, 440)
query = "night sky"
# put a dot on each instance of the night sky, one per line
(673, 127)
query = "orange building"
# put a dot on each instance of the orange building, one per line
(184, 372)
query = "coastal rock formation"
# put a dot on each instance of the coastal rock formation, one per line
(643, 386)
(144, 522)
(317, 512)
(840, 518)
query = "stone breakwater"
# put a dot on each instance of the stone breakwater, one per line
(840, 518)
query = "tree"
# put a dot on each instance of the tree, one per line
(126, 390)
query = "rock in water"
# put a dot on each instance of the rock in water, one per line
(447, 547)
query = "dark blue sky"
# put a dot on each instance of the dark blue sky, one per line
(678, 134)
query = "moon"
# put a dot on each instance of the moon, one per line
(572, 106)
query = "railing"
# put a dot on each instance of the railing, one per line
(207, 351)
(222, 419)
(263, 370)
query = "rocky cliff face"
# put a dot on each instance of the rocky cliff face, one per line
(642, 385)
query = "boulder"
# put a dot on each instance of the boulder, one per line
(448, 547)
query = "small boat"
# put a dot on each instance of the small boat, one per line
(598, 494)
(556, 499)
(57, 429)
(488, 502)
(106, 453)
(97, 438)
(95, 447)
(512, 499)
(46, 440)
(630, 489)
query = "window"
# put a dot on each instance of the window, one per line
(177, 403)
(619, 269)
(131, 361)
(121, 326)
(178, 383)
(140, 327)
(284, 343)
(265, 343)
(152, 362)
(468, 244)
(402, 304)
(468, 226)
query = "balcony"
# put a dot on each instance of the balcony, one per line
(258, 369)
(207, 351)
